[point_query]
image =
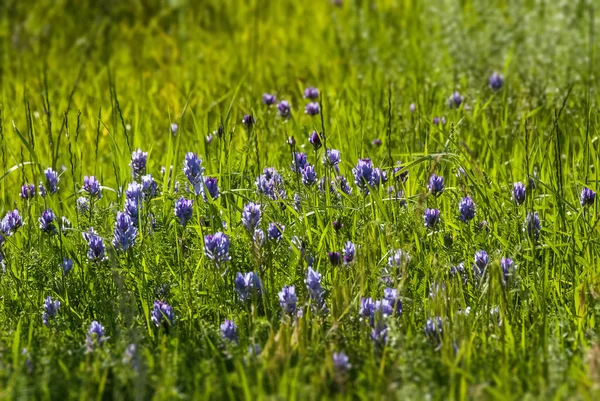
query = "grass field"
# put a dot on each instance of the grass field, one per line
(422, 225)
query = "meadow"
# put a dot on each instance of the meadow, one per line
(347, 199)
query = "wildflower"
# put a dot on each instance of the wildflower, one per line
(42, 190)
(92, 186)
(132, 210)
(311, 93)
(532, 224)
(284, 109)
(271, 184)
(174, 128)
(247, 285)
(391, 295)
(312, 109)
(193, 170)
(251, 216)
(332, 158)
(95, 336)
(379, 333)
(431, 217)
(436, 120)
(519, 193)
(379, 177)
(455, 100)
(27, 191)
(50, 310)
(398, 258)
(162, 314)
(496, 81)
(229, 330)
(46, 221)
(507, 266)
(134, 192)
(212, 186)
(216, 247)
(82, 205)
(275, 231)
(149, 187)
(269, 99)
(315, 140)
(313, 285)
(433, 329)
(342, 184)
(376, 142)
(436, 185)
(363, 175)
(183, 210)
(309, 176)
(587, 197)
(400, 174)
(367, 307)
(258, 237)
(341, 362)
(11, 222)
(291, 141)
(248, 121)
(138, 163)
(125, 232)
(209, 139)
(349, 252)
(96, 251)
(66, 265)
(334, 258)
(288, 299)
(481, 262)
(412, 107)
(466, 209)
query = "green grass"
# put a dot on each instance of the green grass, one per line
(82, 84)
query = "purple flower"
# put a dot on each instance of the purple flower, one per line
(433, 329)
(138, 163)
(400, 174)
(334, 258)
(212, 186)
(162, 314)
(496, 81)
(332, 158)
(291, 141)
(391, 295)
(315, 140)
(309, 176)
(436, 120)
(284, 109)
(27, 191)
(349, 252)
(519, 193)
(313, 285)
(82, 205)
(376, 142)
(193, 170)
(66, 265)
(132, 209)
(216, 247)
(51, 308)
(342, 184)
(431, 218)
(300, 161)
(288, 299)
(367, 307)
(507, 268)
(412, 108)
(398, 258)
(311, 93)
(341, 362)
(379, 177)
(96, 251)
(312, 109)
(436, 185)
(92, 186)
(466, 209)
(11, 222)
(183, 210)
(532, 224)
(587, 197)
(275, 231)
(52, 180)
(95, 336)
(251, 216)
(149, 187)
(174, 128)
(269, 99)
(248, 121)
(481, 262)
(125, 232)
(455, 100)
(134, 192)
(46, 221)
(247, 285)
(271, 184)
(258, 237)
(229, 330)
(363, 175)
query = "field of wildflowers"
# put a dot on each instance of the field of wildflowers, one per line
(348, 199)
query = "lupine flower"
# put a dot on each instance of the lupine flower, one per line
(342, 184)
(496, 81)
(455, 100)
(363, 175)
(433, 329)
(367, 307)
(431, 218)
(248, 120)
(251, 216)
(11, 222)
(212, 185)
(309, 175)
(459, 270)
(400, 174)
(587, 197)
(379, 333)
(92, 186)
(162, 314)
(322, 184)
(315, 140)
(412, 107)
(332, 158)
(193, 170)
(229, 330)
(271, 184)
(83, 205)
(46, 221)
(398, 258)
(125, 232)
(519, 193)
(52, 180)
(379, 177)
(341, 362)
(312, 109)
(376, 142)
(216, 247)
(507, 267)
(436, 185)
(291, 141)
(138, 163)
(247, 285)
(42, 190)
(132, 209)
(258, 237)
(50, 310)
(174, 128)
(391, 295)
(311, 93)
(313, 285)
(95, 336)
(483, 226)
(134, 192)
(96, 251)
(481, 262)
(269, 99)
(334, 258)
(27, 191)
(466, 209)
(149, 187)
(66, 265)
(284, 109)
(288, 299)
(275, 231)
(183, 210)
(532, 224)
(349, 252)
